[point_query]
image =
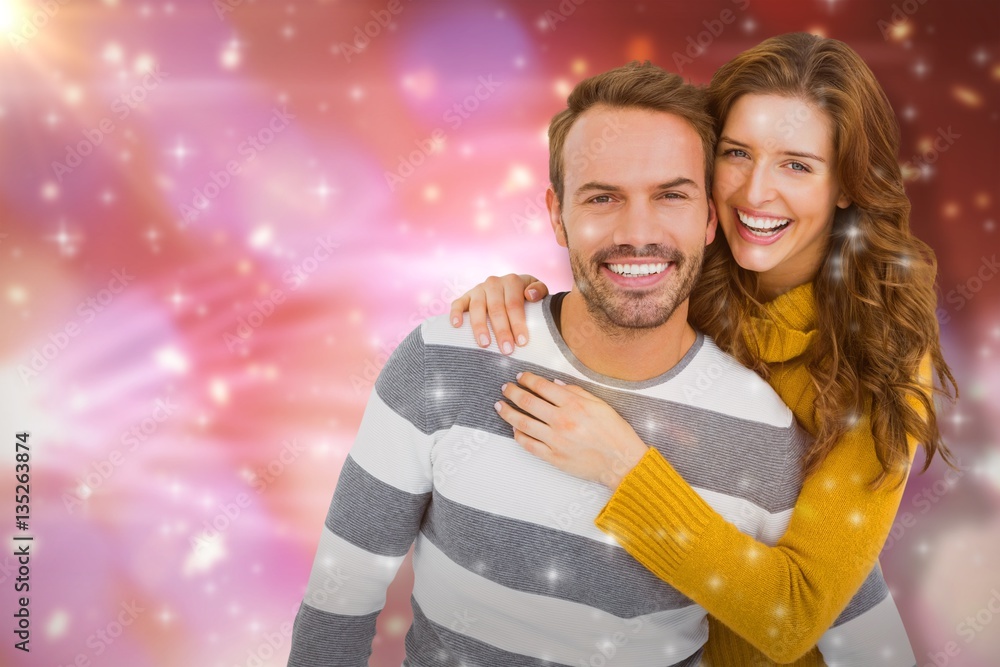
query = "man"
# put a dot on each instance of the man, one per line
(509, 568)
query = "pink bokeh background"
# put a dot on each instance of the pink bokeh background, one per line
(205, 259)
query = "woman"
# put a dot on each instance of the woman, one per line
(819, 287)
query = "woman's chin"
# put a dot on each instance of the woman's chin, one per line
(756, 259)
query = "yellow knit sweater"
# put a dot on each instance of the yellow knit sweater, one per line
(776, 601)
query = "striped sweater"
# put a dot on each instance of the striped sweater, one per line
(509, 568)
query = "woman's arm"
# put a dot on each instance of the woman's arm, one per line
(781, 599)
(837, 529)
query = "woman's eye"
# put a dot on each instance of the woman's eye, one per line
(798, 166)
(735, 152)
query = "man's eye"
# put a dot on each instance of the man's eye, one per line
(601, 199)
(673, 195)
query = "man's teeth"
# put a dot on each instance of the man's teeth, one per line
(633, 270)
(762, 226)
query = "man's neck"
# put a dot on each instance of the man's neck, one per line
(627, 354)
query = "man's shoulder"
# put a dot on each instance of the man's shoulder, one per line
(715, 380)
(438, 329)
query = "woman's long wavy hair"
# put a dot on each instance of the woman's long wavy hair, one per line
(874, 291)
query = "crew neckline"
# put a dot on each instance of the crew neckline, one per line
(552, 301)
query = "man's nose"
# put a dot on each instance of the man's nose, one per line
(639, 226)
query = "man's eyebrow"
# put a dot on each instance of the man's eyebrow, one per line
(677, 182)
(595, 185)
(605, 187)
(808, 156)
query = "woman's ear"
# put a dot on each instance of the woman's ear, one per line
(844, 201)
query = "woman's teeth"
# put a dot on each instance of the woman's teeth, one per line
(636, 270)
(762, 226)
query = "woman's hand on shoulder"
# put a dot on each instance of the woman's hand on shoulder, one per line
(501, 298)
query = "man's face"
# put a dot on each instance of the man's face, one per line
(635, 216)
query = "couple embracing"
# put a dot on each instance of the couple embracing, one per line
(695, 455)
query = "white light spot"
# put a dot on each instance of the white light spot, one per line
(518, 178)
(57, 624)
(73, 94)
(171, 359)
(261, 236)
(219, 391)
(144, 64)
(112, 53)
(205, 553)
(230, 57)
(17, 294)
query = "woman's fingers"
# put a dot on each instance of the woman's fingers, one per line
(501, 300)
(514, 293)
(580, 391)
(501, 291)
(473, 301)
(534, 289)
(477, 315)
(556, 393)
(533, 446)
(524, 287)
(526, 424)
(537, 407)
(458, 308)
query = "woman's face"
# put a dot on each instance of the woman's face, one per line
(776, 188)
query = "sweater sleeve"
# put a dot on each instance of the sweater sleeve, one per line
(781, 599)
(376, 512)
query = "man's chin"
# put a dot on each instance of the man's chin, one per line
(649, 314)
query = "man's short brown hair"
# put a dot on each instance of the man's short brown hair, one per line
(633, 86)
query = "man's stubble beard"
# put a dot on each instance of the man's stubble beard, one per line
(623, 315)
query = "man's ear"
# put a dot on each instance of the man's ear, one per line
(555, 217)
(713, 223)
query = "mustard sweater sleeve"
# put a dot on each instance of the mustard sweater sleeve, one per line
(781, 599)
